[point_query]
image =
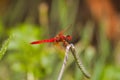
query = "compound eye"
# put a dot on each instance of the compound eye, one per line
(69, 38)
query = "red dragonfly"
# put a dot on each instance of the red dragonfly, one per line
(59, 38)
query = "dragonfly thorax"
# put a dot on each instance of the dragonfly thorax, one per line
(62, 38)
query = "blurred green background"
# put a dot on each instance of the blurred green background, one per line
(95, 31)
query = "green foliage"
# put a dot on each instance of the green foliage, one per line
(23, 58)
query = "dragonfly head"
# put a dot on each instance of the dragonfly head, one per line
(68, 38)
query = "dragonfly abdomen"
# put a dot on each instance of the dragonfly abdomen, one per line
(43, 41)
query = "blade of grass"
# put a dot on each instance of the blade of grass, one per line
(4, 47)
(79, 62)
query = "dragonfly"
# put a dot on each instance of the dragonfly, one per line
(65, 39)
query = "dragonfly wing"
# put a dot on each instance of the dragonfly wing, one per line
(65, 30)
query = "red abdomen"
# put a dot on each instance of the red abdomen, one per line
(44, 41)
